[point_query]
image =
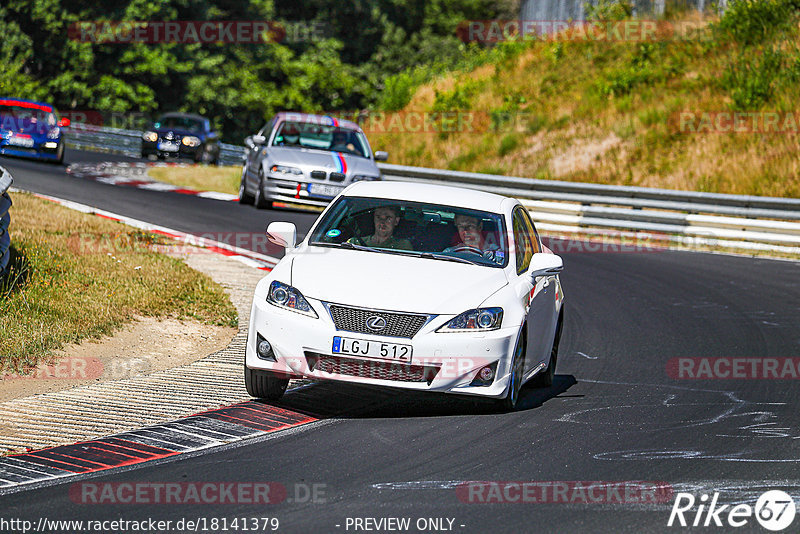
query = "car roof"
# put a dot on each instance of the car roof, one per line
(30, 103)
(317, 119)
(434, 193)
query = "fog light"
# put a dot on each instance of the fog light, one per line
(486, 374)
(264, 349)
(50, 144)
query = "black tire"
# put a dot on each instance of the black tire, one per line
(60, 154)
(244, 196)
(259, 200)
(509, 402)
(263, 384)
(545, 379)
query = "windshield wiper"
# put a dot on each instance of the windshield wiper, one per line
(347, 245)
(431, 255)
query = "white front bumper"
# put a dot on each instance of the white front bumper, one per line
(451, 360)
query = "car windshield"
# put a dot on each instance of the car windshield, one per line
(322, 137)
(179, 123)
(434, 231)
(20, 117)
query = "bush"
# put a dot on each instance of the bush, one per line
(751, 78)
(508, 144)
(749, 22)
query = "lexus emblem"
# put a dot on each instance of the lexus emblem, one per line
(376, 323)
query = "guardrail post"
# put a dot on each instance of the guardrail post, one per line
(5, 220)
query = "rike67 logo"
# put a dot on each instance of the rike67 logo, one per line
(774, 510)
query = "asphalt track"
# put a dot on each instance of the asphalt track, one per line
(615, 414)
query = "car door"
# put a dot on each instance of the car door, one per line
(543, 314)
(541, 292)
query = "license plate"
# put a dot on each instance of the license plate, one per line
(20, 141)
(168, 147)
(372, 349)
(324, 190)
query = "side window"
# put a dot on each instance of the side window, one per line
(537, 243)
(265, 131)
(523, 248)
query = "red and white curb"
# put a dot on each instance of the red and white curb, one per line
(248, 257)
(201, 431)
(135, 175)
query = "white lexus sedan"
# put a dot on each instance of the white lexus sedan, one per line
(413, 286)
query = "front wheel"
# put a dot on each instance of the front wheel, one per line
(261, 202)
(244, 196)
(60, 154)
(509, 402)
(263, 384)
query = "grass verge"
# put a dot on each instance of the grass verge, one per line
(200, 177)
(66, 286)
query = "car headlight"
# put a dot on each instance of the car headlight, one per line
(285, 296)
(365, 178)
(150, 136)
(190, 140)
(481, 319)
(54, 133)
(283, 169)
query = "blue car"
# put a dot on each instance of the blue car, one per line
(31, 129)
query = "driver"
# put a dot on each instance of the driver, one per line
(470, 231)
(386, 219)
(339, 142)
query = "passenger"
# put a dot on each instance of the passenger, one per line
(386, 219)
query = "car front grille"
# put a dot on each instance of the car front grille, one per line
(318, 175)
(397, 324)
(337, 177)
(374, 369)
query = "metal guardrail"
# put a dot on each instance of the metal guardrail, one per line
(5, 220)
(129, 142)
(736, 221)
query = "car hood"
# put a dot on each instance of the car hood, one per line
(310, 159)
(393, 282)
(177, 131)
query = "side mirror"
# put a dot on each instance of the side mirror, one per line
(283, 234)
(380, 155)
(259, 139)
(545, 265)
(64, 122)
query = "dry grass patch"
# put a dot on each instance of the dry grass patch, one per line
(79, 276)
(200, 177)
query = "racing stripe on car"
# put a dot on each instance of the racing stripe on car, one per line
(201, 431)
(339, 162)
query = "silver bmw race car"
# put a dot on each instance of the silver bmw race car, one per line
(299, 158)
